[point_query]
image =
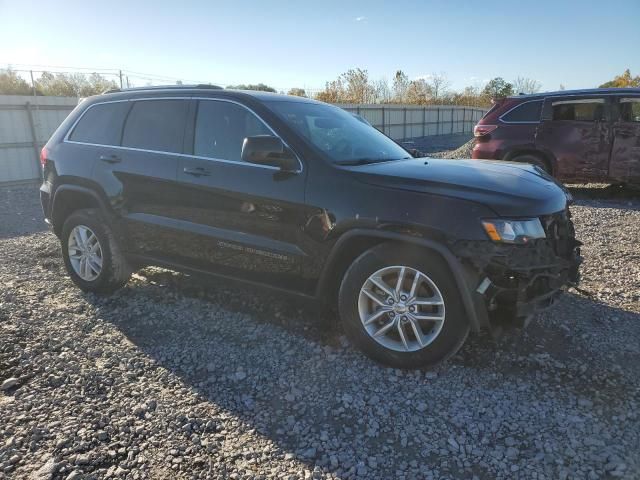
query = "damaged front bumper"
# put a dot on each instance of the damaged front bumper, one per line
(513, 282)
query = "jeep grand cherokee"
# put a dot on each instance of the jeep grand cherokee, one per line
(302, 197)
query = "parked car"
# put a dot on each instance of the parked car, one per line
(579, 135)
(302, 197)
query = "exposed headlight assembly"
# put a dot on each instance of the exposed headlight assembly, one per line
(513, 231)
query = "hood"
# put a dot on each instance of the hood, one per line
(510, 189)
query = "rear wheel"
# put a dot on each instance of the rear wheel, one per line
(91, 255)
(402, 307)
(533, 160)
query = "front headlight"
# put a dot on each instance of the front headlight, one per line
(513, 231)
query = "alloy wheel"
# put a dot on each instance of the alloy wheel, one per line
(85, 253)
(401, 308)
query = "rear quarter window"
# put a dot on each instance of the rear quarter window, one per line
(101, 124)
(156, 125)
(528, 112)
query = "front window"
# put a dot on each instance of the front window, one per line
(338, 134)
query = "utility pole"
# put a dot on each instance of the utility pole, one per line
(128, 86)
(120, 74)
(33, 84)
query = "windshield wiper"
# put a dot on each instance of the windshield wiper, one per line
(366, 161)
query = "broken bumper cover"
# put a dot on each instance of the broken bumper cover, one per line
(512, 282)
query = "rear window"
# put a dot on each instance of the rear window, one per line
(525, 112)
(579, 110)
(156, 125)
(101, 124)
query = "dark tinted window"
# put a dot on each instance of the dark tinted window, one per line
(630, 109)
(221, 128)
(101, 124)
(526, 112)
(579, 110)
(156, 125)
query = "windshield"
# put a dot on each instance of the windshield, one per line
(345, 139)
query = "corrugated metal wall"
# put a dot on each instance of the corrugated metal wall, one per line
(26, 123)
(402, 122)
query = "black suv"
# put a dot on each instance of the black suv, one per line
(301, 196)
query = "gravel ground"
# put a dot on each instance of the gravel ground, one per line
(176, 377)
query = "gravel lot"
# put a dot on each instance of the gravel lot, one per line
(176, 377)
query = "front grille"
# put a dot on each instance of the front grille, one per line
(560, 233)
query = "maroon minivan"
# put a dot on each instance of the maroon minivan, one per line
(577, 136)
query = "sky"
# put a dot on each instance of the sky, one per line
(298, 43)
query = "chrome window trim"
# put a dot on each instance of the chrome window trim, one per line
(522, 122)
(184, 155)
(630, 100)
(579, 100)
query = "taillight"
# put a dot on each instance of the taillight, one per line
(44, 153)
(482, 130)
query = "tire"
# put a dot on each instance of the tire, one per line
(382, 260)
(114, 271)
(533, 160)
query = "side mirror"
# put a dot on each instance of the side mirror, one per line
(268, 150)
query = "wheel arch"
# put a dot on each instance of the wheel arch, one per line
(355, 242)
(68, 198)
(546, 157)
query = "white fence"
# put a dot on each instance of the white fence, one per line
(26, 123)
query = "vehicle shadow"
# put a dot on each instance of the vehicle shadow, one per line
(274, 365)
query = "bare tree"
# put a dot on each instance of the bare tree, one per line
(526, 85)
(382, 91)
(439, 84)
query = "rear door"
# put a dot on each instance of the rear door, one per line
(577, 132)
(625, 154)
(241, 219)
(140, 175)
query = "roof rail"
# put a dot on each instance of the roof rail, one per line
(163, 87)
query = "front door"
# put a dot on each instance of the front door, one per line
(625, 154)
(241, 219)
(577, 132)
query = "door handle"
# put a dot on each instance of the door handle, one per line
(110, 158)
(197, 172)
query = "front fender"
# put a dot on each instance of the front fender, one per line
(463, 276)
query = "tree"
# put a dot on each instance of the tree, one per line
(497, 88)
(624, 80)
(259, 86)
(438, 83)
(350, 87)
(357, 86)
(73, 85)
(382, 91)
(418, 92)
(12, 84)
(297, 92)
(526, 85)
(400, 86)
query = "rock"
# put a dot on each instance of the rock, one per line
(8, 384)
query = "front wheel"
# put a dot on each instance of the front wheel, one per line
(402, 307)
